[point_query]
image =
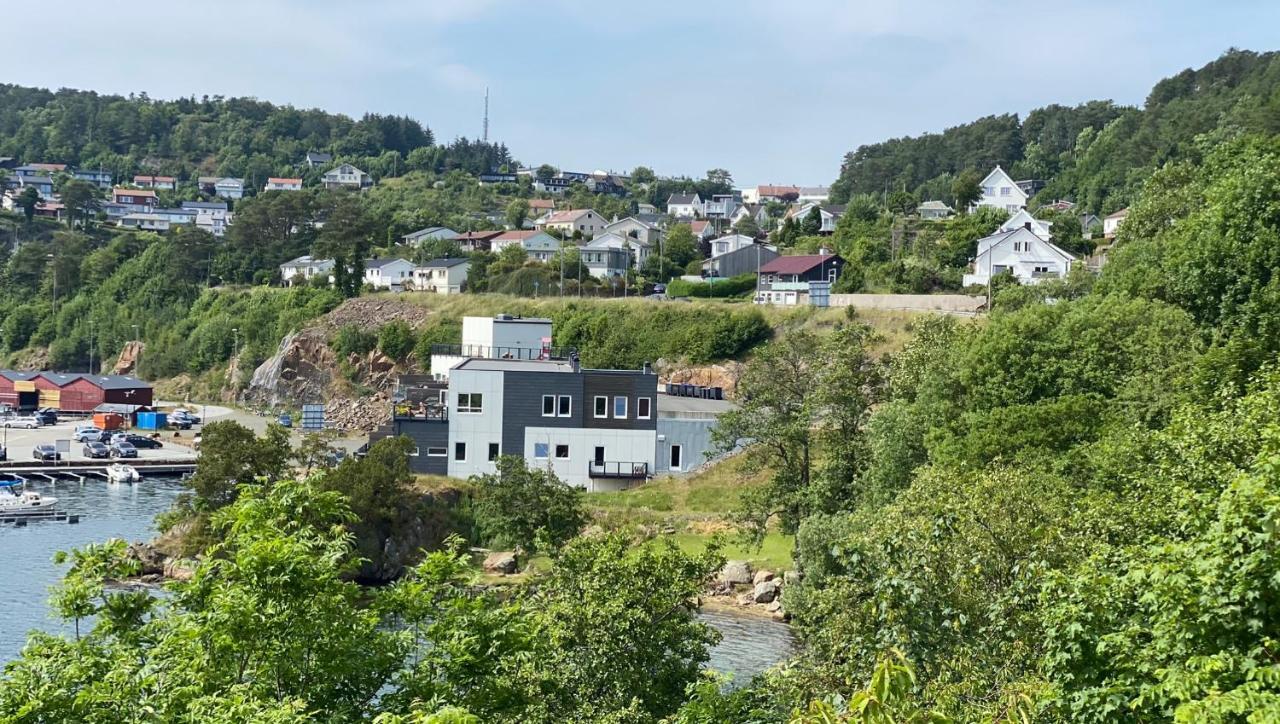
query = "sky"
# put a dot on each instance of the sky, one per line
(775, 92)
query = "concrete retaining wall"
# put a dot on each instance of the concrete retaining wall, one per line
(949, 303)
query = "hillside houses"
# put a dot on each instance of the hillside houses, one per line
(1000, 191)
(684, 206)
(1021, 252)
(583, 222)
(346, 176)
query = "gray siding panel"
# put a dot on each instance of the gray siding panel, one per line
(694, 439)
(522, 404)
(424, 434)
(632, 385)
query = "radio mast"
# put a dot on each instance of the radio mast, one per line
(486, 114)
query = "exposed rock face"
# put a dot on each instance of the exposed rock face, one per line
(179, 569)
(151, 560)
(766, 591)
(301, 371)
(736, 572)
(127, 362)
(502, 562)
(762, 576)
(724, 375)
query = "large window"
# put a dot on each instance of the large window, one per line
(557, 406)
(470, 402)
(620, 407)
(460, 451)
(541, 450)
(644, 409)
(602, 406)
(494, 449)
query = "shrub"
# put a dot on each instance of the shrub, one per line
(731, 287)
(396, 340)
(350, 339)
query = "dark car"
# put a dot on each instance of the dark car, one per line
(180, 423)
(143, 442)
(47, 416)
(95, 450)
(122, 449)
(187, 415)
(46, 451)
(285, 420)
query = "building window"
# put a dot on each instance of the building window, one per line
(831, 274)
(548, 405)
(562, 452)
(437, 452)
(1004, 190)
(620, 408)
(643, 408)
(472, 402)
(566, 406)
(602, 406)
(416, 452)
(541, 450)
(677, 453)
(460, 451)
(493, 451)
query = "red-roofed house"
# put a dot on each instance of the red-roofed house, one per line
(538, 207)
(283, 184)
(702, 229)
(786, 280)
(164, 183)
(476, 240)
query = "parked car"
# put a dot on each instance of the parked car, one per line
(85, 433)
(46, 451)
(95, 450)
(4, 454)
(47, 416)
(285, 420)
(180, 423)
(28, 422)
(142, 442)
(122, 449)
(187, 414)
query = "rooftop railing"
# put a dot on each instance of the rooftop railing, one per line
(518, 353)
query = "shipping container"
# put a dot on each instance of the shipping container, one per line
(108, 421)
(151, 420)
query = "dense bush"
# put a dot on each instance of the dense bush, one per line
(396, 340)
(353, 339)
(720, 288)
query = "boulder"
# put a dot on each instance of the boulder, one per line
(791, 577)
(745, 600)
(500, 562)
(736, 572)
(774, 607)
(150, 561)
(762, 576)
(178, 569)
(765, 591)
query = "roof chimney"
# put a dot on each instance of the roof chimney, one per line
(1026, 225)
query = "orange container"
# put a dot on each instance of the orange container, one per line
(108, 421)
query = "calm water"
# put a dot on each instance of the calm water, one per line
(751, 644)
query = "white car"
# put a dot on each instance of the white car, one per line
(26, 421)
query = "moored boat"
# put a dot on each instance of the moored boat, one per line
(121, 473)
(17, 503)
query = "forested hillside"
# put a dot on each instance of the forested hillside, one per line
(1096, 154)
(241, 137)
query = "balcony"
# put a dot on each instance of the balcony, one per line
(435, 412)
(618, 470)
(520, 353)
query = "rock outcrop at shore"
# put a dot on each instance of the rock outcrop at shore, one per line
(738, 582)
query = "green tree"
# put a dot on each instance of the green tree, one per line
(680, 246)
(966, 190)
(903, 202)
(527, 507)
(642, 175)
(396, 340)
(811, 224)
(747, 226)
(81, 201)
(517, 212)
(231, 457)
(28, 200)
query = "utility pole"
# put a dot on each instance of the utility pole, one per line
(91, 347)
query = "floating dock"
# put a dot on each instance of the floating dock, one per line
(81, 471)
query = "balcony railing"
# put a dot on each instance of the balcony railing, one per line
(436, 412)
(486, 352)
(618, 469)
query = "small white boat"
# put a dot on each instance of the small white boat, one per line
(121, 473)
(14, 503)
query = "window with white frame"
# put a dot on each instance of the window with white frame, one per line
(620, 407)
(602, 406)
(564, 408)
(494, 451)
(562, 452)
(644, 408)
(470, 402)
(437, 452)
(541, 450)
(460, 451)
(548, 405)
(1004, 190)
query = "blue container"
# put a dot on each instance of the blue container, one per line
(152, 420)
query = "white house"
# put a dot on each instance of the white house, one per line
(346, 176)
(726, 244)
(283, 184)
(1002, 192)
(636, 229)
(229, 188)
(442, 276)
(305, 267)
(428, 234)
(585, 221)
(817, 194)
(1020, 251)
(934, 210)
(829, 214)
(638, 248)
(385, 273)
(684, 206)
(1024, 218)
(756, 212)
(720, 206)
(1111, 224)
(539, 245)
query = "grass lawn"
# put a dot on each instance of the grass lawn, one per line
(774, 553)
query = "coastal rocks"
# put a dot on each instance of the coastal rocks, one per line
(500, 562)
(151, 561)
(766, 591)
(179, 569)
(736, 573)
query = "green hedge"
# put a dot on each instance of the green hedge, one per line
(732, 287)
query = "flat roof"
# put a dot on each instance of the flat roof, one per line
(514, 365)
(672, 405)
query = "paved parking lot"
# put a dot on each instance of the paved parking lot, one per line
(19, 442)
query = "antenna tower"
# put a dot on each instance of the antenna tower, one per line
(486, 114)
